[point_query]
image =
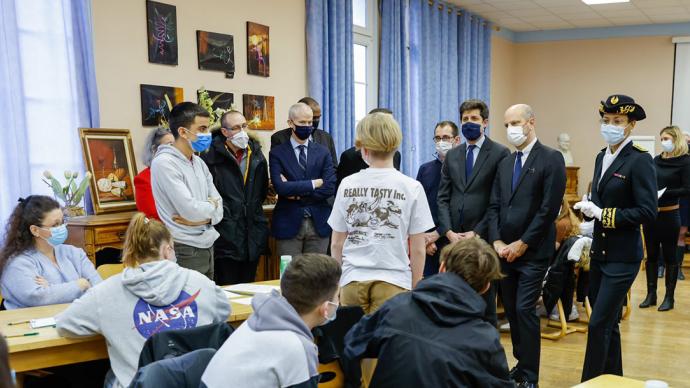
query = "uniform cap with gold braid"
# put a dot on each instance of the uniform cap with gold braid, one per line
(622, 105)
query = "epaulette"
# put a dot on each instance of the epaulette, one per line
(639, 148)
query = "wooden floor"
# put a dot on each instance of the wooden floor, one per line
(655, 345)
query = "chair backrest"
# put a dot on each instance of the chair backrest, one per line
(107, 270)
(184, 371)
(174, 343)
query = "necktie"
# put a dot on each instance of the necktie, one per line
(302, 157)
(469, 163)
(517, 169)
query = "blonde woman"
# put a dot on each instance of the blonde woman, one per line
(673, 175)
(153, 294)
(376, 212)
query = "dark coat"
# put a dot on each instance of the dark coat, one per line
(244, 228)
(184, 371)
(351, 162)
(429, 175)
(627, 193)
(560, 273)
(174, 343)
(433, 336)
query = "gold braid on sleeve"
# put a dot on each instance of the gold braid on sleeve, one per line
(608, 218)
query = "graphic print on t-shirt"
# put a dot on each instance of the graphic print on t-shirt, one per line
(371, 212)
(180, 314)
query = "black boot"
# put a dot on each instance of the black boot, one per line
(671, 279)
(681, 255)
(651, 272)
(661, 270)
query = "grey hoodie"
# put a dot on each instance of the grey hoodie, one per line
(130, 307)
(183, 187)
(274, 334)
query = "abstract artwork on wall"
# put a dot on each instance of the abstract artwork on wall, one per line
(258, 50)
(216, 52)
(221, 100)
(162, 32)
(259, 111)
(154, 107)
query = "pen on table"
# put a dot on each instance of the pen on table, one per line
(22, 335)
(18, 322)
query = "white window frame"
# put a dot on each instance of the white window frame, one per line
(368, 37)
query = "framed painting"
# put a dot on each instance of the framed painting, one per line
(258, 50)
(221, 100)
(216, 52)
(154, 104)
(109, 156)
(161, 23)
(259, 111)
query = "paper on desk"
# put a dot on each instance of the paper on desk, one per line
(232, 295)
(251, 289)
(42, 322)
(246, 301)
(660, 193)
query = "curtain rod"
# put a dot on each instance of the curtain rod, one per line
(459, 12)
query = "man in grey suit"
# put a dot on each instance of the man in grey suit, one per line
(466, 180)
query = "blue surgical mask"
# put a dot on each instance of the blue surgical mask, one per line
(471, 131)
(667, 145)
(303, 131)
(58, 235)
(612, 134)
(202, 142)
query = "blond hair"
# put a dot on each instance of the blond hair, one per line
(379, 133)
(473, 260)
(574, 221)
(680, 146)
(143, 240)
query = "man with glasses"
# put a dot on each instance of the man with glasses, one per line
(446, 137)
(240, 173)
(467, 177)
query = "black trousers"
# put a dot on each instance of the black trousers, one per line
(609, 283)
(661, 236)
(230, 271)
(521, 288)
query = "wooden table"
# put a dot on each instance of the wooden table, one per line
(612, 381)
(48, 349)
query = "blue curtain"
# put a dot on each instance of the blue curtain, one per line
(330, 66)
(49, 91)
(449, 62)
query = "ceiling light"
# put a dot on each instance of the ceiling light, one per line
(596, 2)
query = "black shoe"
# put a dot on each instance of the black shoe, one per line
(681, 276)
(516, 375)
(650, 300)
(527, 384)
(661, 272)
(667, 304)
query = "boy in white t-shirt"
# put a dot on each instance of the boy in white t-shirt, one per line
(375, 212)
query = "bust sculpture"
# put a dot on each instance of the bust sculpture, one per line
(564, 148)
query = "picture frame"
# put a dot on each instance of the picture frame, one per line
(259, 111)
(161, 32)
(216, 51)
(109, 156)
(221, 100)
(154, 107)
(258, 50)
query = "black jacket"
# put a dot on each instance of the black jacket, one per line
(244, 228)
(433, 336)
(351, 162)
(319, 135)
(674, 175)
(627, 195)
(529, 212)
(174, 343)
(559, 272)
(183, 371)
(462, 203)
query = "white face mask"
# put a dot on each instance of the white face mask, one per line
(667, 145)
(240, 140)
(516, 135)
(442, 147)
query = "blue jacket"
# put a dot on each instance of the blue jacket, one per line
(288, 213)
(429, 175)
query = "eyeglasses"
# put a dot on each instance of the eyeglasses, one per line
(444, 138)
(239, 126)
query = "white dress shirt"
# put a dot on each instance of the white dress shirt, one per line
(610, 157)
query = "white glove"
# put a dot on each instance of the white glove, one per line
(587, 228)
(588, 208)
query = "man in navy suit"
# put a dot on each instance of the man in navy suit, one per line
(525, 201)
(303, 175)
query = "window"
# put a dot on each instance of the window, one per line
(365, 57)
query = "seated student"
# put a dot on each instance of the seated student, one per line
(37, 268)
(275, 346)
(142, 182)
(435, 336)
(376, 212)
(153, 294)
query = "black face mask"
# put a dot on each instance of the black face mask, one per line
(303, 132)
(315, 122)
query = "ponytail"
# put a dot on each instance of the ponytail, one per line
(143, 240)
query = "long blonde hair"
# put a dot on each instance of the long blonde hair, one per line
(680, 146)
(143, 240)
(574, 221)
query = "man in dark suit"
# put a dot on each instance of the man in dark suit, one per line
(319, 136)
(624, 196)
(351, 161)
(304, 178)
(465, 188)
(525, 201)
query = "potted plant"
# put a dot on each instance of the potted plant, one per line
(71, 193)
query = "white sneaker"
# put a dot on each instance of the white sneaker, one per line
(541, 310)
(505, 327)
(574, 314)
(554, 315)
